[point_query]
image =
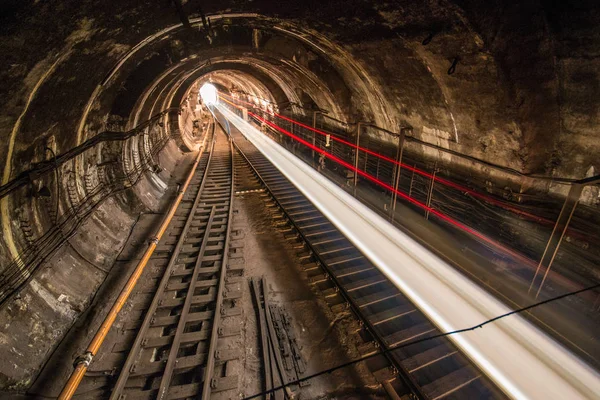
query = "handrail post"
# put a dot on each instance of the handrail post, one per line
(358, 125)
(560, 228)
(397, 171)
(314, 135)
(430, 193)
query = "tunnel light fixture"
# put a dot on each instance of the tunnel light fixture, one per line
(208, 94)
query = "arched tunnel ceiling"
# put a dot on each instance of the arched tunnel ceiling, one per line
(522, 94)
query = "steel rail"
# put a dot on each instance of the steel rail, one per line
(264, 335)
(125, 371)
(83, 362)
(208, 371)
(172, 359)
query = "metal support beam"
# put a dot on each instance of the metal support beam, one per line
(397, 172)
(560, 228)
(430, 193)
(358, 125)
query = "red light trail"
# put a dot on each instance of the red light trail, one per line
(433, 211)
(418, 171)
(451, 221)
(423, 173)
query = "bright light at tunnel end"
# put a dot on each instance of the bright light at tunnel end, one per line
(208, 93)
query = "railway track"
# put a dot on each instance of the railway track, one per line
(172, 345)
(433, 369)
(191, 288)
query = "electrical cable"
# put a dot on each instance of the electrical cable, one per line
(400, 346)
(42, 168)
(57, 183)
(21, 269)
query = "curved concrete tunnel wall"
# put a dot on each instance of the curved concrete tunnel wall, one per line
(63, 286)
(391, 79)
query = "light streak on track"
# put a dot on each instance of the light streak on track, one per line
(521, 359)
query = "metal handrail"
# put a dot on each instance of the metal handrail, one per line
(408, 138)
(595, 180)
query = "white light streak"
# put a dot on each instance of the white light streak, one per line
(523, 361)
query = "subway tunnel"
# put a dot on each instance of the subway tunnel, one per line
(469, 127)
